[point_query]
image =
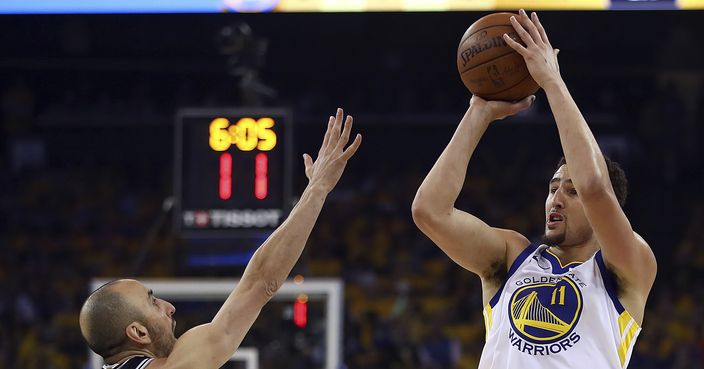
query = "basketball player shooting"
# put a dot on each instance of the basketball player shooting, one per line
(577, 300)
(128, 326)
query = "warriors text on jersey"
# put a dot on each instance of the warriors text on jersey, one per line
(549, 315)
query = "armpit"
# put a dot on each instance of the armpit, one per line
(496, 273)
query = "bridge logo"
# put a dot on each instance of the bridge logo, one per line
(546, 312)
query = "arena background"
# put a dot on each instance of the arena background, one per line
(86, 154)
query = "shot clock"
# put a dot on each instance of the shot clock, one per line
(232, 171)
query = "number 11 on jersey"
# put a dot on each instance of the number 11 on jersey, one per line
(562, 295)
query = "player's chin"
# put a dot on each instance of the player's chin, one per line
(553, 237)
(551, 230)
(170, 349)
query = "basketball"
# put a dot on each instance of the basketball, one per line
(488, 66)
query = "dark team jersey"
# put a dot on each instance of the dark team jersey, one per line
(135, 362)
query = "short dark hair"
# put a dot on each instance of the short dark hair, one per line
(617, 176)
(107, 313)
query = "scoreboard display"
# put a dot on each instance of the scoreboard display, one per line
(232, 171)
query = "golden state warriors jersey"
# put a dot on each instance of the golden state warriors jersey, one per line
(548, 315)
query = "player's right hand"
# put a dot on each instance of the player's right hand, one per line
(495, 110)
(332, 157)
(540, 56)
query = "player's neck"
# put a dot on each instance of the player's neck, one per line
(576, 253)
(126, 355)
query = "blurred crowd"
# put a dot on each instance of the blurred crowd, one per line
(406, 304)
(83, 184)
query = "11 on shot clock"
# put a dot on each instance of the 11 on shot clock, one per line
(232, 170)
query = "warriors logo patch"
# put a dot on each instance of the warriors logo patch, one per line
(544, 313)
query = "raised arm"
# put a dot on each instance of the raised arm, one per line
(624, 252)
(210, 345)
(466, 239)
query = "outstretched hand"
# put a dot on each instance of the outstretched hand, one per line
(538, 53)
(494, 110)
(333, 156)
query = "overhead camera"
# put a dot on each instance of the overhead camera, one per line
(246, 55)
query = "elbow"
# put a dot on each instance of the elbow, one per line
(423, 212)
(419, 213)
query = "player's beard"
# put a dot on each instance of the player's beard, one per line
(555, 239)
(164, 339)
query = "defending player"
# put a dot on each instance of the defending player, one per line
(576, 301)
(131, 328)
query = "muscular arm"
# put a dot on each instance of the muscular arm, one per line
(215, 342)
(625, 253)
(209, 346)
(466, 239)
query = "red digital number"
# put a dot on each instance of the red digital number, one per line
(261, 176)
(300, 313)
(225, 188)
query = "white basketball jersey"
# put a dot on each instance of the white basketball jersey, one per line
(548, 315)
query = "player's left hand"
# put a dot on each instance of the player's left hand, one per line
(540, 56)
(332, 158)
(497, 110)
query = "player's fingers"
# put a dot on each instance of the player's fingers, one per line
(522, 33)
(515, 45)
(477, 99)
(557, 63)
(336, 127)
(524, 104)
(529, 26)
(351, 149)
(328, 133)
(540, 27)
(308, 163)
(345, 133)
